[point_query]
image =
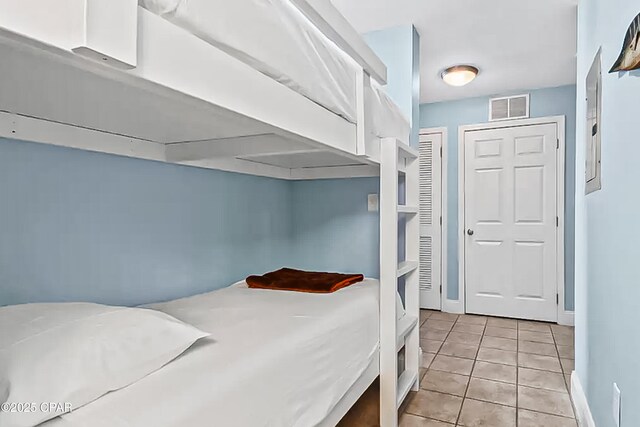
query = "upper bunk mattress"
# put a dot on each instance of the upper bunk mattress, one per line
(275, 38)
(274, 359)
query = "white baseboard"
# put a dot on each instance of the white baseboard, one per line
(583, 413)
(566, 318)
(452, 306)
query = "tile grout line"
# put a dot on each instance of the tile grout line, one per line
(434, 358)
(555, 344)
(555, 347)
(562, 367)
(490, 402)
(482, 336)
(494, 381)
(473, 366)
(437, 354)
(440, 349)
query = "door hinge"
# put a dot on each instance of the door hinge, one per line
(440, 289)
(557, 299)
(557, 221)
(440, 151)
(441, 221)
(557, 144)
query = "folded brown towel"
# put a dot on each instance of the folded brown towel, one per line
(288, 279)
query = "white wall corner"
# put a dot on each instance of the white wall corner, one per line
(580, 403)
(566, 318)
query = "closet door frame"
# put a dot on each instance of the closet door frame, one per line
(564, 317)
(443, 131)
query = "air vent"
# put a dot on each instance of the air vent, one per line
(509, 108)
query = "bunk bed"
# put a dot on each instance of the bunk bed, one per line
(188, 83)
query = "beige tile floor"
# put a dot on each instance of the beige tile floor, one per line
(482, 371)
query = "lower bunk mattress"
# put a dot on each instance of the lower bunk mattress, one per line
(274, 359)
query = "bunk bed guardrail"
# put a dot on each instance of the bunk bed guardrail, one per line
(84, 42)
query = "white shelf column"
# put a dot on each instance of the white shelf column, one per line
(396, 334)
(412, 279)
(388, 282)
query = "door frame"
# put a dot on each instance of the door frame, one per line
(563, 317)
(444, 131)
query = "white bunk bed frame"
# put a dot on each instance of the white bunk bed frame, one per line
(112, 77)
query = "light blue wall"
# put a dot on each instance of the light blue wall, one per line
(415, 89)
(608, 229)
(399, 49)
(394, 46)
(452, 115)
(332, 228)
(76, 225)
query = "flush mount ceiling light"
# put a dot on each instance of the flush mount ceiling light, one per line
(459, 75)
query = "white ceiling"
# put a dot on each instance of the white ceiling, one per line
(517, 44)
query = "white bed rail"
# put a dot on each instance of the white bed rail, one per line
(104, 31)
(110, 32)
(397, 334)
(101, 65)
(367, 144)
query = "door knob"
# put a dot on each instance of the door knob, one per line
(470, 232)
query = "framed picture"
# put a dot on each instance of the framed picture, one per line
(593, 143)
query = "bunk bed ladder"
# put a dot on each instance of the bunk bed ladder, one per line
(397, 334)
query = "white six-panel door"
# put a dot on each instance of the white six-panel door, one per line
(511, 221)
(431, 220)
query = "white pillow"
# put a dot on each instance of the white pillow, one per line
(72, 353)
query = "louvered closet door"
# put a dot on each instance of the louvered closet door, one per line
(430, 220)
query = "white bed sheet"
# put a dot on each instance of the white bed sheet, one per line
(387, 119)
(275, 38)
(276, 359)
